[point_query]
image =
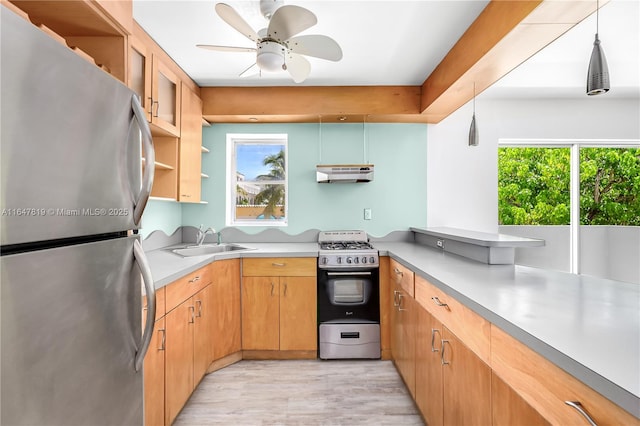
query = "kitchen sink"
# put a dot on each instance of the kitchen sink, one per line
(207, 249)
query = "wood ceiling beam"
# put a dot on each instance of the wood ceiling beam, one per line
(504, 35)
(307, 104)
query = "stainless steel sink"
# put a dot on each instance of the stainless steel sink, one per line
(207, 249)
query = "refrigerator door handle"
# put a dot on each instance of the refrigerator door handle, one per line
(141, 260)
(149, 159)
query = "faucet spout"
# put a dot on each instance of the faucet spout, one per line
(202, 235)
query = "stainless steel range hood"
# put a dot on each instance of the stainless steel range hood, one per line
(344, 173)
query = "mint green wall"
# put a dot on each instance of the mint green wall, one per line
(163, 215)
(397, 196)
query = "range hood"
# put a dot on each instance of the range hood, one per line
(344, 173)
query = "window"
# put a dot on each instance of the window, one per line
(581, 197)
(256, 180)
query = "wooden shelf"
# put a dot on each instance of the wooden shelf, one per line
(162, 199)
(159, 166)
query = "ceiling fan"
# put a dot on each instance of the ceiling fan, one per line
(277, 47)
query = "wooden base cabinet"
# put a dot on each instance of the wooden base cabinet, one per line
(429, 386)
(279, 313)
(179, 358)
(154, 377)
(279, 305)
(403, 324)
(509, 409)
(226, 308)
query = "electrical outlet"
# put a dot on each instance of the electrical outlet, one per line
(367, 214)
(440, 243)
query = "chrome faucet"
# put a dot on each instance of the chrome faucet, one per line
(202, 234)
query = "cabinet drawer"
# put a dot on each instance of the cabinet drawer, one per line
(185, 287)
(402, 276)
(470, 327)
(546, 387)
(279, 267)
(160, 303)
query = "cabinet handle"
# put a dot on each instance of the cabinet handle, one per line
(395, 298)
(197, 278)
(193, 314)
(281, 265)
(157, 108)
(272, 288)
(400, 302)
(199, 303)
(442, 360)
(164, 339)
(433, 338)
(439, 303)
(285, 289)
(581, 410)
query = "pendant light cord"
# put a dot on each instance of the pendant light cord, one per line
(597, 16)
(474, 98)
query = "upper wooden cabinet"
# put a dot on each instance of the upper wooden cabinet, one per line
(140, 72)
(166, 90)
(96, 30)
(190, 158)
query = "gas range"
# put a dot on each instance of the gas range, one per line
(346, 249)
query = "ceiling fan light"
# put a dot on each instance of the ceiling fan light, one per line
(268, 7)
(270, 56)
(598, 74)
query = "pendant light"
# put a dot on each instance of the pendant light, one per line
(474, 137)
(598, 74)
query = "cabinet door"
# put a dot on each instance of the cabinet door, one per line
(140, 73)
(429, 367)
(226, 308)
(260, 313)
(179, 358)
(166, 93)
(202, 332)
(407, 313)
(190, 168)
(509, 409)
(298, 313)
(154, 377)
(467, 384)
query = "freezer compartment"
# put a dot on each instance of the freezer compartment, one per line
(70, 153)
(349, 341)
(70, 330)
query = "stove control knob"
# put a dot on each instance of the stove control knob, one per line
(356, 260)
(324, 260)
(372, 260)
(349, 260)
(364, 259)
(339, 259)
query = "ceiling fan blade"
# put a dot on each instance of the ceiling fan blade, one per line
(318, 46)
(290, 20)
(299, 68)
(226, 48)
(231, 17)
(251, 71)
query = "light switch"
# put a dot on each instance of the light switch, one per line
(367, 214)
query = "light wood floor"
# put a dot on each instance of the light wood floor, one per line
(310, 392)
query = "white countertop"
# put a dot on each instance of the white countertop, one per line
(590, 327)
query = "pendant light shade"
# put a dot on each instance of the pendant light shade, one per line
(474, 136)
(598, 74)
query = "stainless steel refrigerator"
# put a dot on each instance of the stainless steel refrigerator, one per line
(72, 268)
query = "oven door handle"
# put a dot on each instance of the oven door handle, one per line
(348, 273)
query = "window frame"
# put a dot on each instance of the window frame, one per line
(575, 145)
(232, 141)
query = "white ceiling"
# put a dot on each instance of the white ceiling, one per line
(393, 43)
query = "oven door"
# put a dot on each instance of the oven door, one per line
(348, 295)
